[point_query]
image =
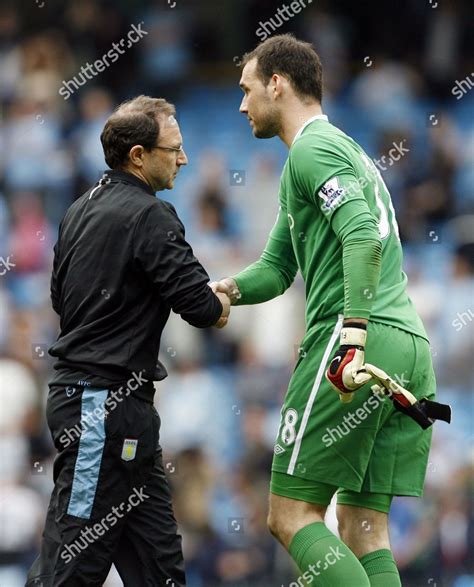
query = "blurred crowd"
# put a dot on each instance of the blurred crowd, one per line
(390, 72)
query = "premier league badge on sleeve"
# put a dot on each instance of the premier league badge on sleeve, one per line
(331, 193)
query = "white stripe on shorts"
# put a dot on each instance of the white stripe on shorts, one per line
(312, 396)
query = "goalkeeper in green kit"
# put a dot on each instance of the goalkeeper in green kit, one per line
(364, 340)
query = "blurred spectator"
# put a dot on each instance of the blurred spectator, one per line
(95, 105)
(10, 52)
(21, 521)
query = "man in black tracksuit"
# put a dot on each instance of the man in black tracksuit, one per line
(121, 264)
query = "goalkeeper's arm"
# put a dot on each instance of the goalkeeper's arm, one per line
(361, 259)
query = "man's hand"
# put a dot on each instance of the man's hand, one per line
(225, 301)
(227, 286)
(344, 370)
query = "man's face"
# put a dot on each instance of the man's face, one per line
(258, 104)
(162, 164)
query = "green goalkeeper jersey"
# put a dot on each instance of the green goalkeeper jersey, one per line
(336, 223)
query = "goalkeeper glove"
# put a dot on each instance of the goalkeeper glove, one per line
(423, 411)
(345, 372)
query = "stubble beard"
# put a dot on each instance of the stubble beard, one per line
(269, 125)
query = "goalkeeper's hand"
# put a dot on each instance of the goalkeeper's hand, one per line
(228, 286)
(344, 371)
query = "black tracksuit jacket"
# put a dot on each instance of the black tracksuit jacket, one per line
(121, 264)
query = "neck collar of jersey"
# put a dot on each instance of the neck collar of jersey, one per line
(309, 121)
(124, 176)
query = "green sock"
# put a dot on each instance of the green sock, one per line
(381, 569)
(324, 560)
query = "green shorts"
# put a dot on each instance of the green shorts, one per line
(365, 446)
(322, 493)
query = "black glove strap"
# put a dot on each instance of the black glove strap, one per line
(425, 412)
(346, 347)
(347, 324)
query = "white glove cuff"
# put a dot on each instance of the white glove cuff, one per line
(234, 292)
(353, 336)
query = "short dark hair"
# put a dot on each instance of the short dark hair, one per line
(134, 122)
(286, 55)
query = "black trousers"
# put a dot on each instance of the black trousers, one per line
(111, 501)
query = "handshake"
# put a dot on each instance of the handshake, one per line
(228, 293)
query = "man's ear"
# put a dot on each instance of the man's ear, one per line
(136, 155)
(276, 84)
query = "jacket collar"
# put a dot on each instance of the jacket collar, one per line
(125, 177)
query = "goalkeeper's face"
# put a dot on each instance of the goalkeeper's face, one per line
(258, 103)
